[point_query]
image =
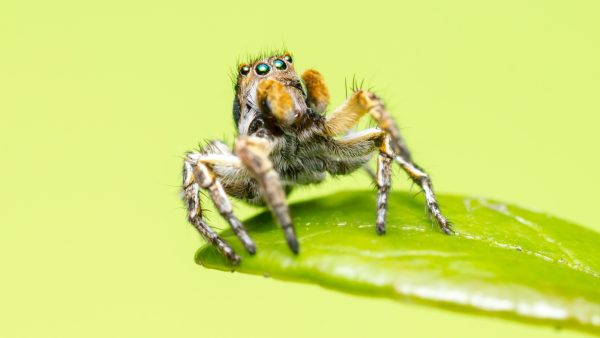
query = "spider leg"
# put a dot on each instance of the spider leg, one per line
(363, 102)
(198, 174)
(384, 183)
(365, 142)
(191, 197)
(420, 177)
(254, 154)
(355, 107)
(358, 145)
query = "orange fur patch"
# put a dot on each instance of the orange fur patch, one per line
(277, 100)
(318, 94)
(346, 116)
(360, 103)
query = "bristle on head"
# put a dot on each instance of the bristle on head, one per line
(253, 58)
(250, 59)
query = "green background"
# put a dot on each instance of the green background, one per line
(98, 101)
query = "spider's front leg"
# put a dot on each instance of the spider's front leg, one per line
(197, 173)
(254, 154)
(364, 102)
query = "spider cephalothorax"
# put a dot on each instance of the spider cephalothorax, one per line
(283, 140)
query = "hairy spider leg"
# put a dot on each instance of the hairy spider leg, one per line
(198, 174)
(362, 102)
(419, 176)
(254, 154)
(191, 196)
(384, 183)
(383, 175)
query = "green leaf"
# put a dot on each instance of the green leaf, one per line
(503, 260)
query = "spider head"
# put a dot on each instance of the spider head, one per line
(276, 67)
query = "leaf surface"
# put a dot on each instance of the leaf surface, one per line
(503, 260)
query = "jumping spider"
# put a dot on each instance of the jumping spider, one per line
(283, 140)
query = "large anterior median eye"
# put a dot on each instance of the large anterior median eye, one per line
(279, 64)
(262, 68)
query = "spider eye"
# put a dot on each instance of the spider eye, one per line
(288, 58)
(245, 70)
(262, 68)
(279, 64)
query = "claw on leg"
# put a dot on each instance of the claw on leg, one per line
(254, 153)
